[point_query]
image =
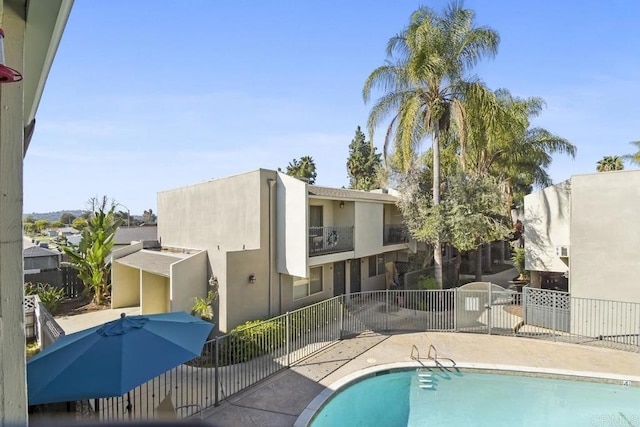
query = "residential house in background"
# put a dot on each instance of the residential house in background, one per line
(586, 229)
(67, 231)
(38, 259)
(147, 234)
(270, 242)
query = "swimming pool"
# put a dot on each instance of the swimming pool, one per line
(478, 399)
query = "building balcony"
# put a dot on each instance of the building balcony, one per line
(330, 240)
(395, 234)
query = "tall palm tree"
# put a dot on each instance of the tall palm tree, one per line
(509, 149)
(425, 85)
(634, 158)
(610, 163)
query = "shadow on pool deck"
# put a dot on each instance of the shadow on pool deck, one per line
(280, 399)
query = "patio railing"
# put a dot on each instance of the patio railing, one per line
(330, 240)
(39, 323)
(394, 234)
(231, 363)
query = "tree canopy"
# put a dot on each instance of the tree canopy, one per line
(148, 217)
(304, 169)
(609, 163)
(425, 85)
(67, 218)
(364, 164)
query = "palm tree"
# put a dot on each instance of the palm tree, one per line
(634, 158)
(506, 147)
(425, 86)
(610, 163)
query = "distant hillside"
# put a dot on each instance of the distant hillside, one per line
(53, 216)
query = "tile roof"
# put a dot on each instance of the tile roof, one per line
(151, 261)
(342, 193)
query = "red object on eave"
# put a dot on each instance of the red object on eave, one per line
(7, 74)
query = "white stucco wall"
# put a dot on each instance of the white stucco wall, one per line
(368, 229)
(223, 212)
(188, 280)
(546, 225)
(246, 300)
(291, 226)
(605, 258)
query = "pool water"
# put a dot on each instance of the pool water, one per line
(474, 399)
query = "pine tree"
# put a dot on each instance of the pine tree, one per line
(363, 164)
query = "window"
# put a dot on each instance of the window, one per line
(315, 216)
(381, 269)
(306, 286)
(316, 280)
(372, 266)
(376, 265)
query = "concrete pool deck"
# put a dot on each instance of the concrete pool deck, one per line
(281, 399)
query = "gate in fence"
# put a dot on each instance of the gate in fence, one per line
(231, 363)
(484, 307)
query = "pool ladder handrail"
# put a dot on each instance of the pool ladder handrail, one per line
(435, 353)
(431, 355)
(415, 353)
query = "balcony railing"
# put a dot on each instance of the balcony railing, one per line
(330, 240)
(39, 323)
(395, 233)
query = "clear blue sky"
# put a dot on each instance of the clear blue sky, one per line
(146, 96)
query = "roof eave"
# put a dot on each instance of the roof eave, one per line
(45, 23)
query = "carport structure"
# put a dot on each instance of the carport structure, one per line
(157, 281)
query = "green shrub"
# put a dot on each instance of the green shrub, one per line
(518, 262)
(202, 306)
(251, 339)
(427, 283)
(50, 296)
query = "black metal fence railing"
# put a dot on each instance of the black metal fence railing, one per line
(394, 234)
(231, 363)
(329, 240)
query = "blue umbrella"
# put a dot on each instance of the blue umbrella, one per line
(111, 359)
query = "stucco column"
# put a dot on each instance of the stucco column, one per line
(13, 394)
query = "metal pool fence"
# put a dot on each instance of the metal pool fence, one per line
(233, 362)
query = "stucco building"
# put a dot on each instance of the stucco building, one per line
(587, 229)
(271, 243)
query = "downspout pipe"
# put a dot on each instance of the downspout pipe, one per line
(270, 184)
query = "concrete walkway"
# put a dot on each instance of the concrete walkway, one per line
(501, 279)
(80, 322)
(281, 399)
